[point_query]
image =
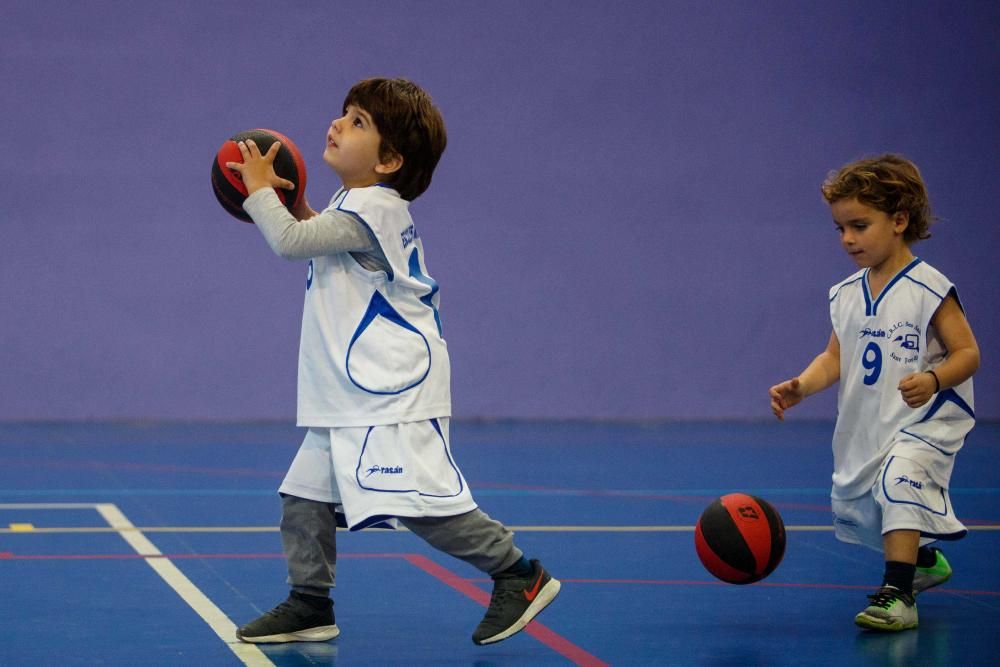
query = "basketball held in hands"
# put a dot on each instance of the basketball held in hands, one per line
(228, 185)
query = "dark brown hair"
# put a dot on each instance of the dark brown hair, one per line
(410, 126)
(888, 183)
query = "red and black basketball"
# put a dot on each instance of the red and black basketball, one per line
(740, 538)
(228, 186)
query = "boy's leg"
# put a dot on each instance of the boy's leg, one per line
(309, 539)
(482, 542)
(893, 606)
(308, 535)
(521, 589)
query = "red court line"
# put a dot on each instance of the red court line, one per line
(762, 584)
(170, 468)
(7, 555)
(555, 641)
(467, 586)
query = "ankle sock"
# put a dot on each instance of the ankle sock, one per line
(521, 568)
(317, 602)
(926, 557)
(899, 575)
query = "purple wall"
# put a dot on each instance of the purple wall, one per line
(626, 224)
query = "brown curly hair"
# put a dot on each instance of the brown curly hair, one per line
(889, 183)
(410, 125)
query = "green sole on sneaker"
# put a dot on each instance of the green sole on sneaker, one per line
(870, 623)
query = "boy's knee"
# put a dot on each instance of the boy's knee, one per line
(297, 511)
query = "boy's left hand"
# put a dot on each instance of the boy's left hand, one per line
(257, 170)
(917, 388)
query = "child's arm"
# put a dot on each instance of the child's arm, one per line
(818, 375)
(962, 360)
(333, 233)
(327, 233)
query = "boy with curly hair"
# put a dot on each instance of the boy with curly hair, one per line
(904, 355)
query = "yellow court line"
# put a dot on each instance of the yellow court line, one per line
(525, 529)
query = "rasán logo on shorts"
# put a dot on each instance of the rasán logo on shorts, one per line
(903, 479)
(384, 470)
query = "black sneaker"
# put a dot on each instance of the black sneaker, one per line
(515, 601)
(294, 620)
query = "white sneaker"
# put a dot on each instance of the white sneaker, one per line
(890, 610)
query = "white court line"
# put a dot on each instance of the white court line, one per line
(211, 614)
(226, 630)
(47, 506)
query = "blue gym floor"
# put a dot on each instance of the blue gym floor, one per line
(127, 544)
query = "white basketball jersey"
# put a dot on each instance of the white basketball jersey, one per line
(883, 339)
(371, 350)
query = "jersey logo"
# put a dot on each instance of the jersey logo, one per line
(875, 333)
(383, 470)
(903, 479)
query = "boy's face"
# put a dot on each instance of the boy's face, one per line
(872, 238)
(352, 144)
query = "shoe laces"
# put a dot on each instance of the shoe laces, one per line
(503, 589)
(284, 606)
(886, 596)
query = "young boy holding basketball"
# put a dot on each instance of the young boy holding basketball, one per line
(904, 354)
(374, 376)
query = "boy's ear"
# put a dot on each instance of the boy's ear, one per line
(902, 220)
(390, 165)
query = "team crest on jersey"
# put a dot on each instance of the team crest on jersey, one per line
(905, 337)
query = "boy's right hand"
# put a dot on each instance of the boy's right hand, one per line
(257, 170)
(784, 395)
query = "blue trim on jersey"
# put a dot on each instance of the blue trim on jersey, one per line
(427, 299)
(950, 537)
(867, 292)
(843, 285)
(371, 234)
(939, 401)
(458, 475)
(926, 442)
(914, 280)
(942, 398)
(885, 491)
(377, 521)
(379, 306)
(873, 310)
